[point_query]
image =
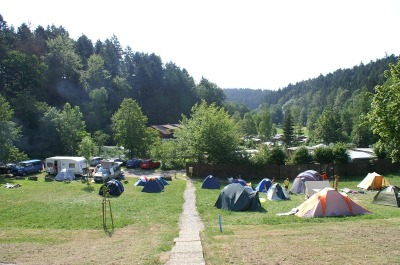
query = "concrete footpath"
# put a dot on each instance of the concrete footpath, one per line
(188, 248)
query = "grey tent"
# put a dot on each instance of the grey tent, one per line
(299, 182)
(388, 196)
(236, 197)
(65, 174)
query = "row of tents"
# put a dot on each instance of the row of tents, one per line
(322, 199)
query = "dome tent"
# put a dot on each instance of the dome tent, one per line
(65, 174)
(277, 193)
(236, 197)
(389, 196)
(153, 185)
(329, 202)
(264, 185)
(299, 182)
(373, 181)
(113, 187)
(211, 182)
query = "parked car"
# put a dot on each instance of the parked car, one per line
(7, 168)
(133, 163)
(95, 161)
(31, 166)
(108, 170)
(18, 170)
(149, 164)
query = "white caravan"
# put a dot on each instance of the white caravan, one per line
(75, 164)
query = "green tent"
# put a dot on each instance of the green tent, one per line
(236, 197)
(388, 196)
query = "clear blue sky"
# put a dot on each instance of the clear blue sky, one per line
(235, 44)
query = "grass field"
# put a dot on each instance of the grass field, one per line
(61, 223)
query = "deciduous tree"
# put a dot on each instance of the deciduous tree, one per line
(385, 112)
(130, 129)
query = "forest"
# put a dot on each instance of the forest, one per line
(48, 79)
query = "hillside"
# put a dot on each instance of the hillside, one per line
(320, 89)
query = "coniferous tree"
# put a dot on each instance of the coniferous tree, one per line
(288, 129)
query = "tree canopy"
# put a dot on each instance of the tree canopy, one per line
(208, 135)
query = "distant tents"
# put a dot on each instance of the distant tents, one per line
(211, 182)
(373, 181)
(299, 182)
(236, 197)
(389, 196)
(329, 202)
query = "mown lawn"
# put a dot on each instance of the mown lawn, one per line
(40, 220)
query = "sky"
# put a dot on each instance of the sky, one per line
(257, 44)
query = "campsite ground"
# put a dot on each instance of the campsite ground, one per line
(246, 238)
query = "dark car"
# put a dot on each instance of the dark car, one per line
(12, 169)
(95, 161)
(7, 168)
(133, 163)
(149, 164)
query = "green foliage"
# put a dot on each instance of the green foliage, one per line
(9, 131)
(324, 155)
(340, 153)
(210, 92)
(301, 156)
(100, 138)
(329, 127)
(86, 148)
(385, 112)
(263, 123)
(277, 157)
(209, 135)
(288, 129)
(130, 130)
(267, 156)
(71, 128)
(168, 153)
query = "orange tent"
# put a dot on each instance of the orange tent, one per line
(329, 202)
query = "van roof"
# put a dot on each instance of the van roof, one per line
(30, 161)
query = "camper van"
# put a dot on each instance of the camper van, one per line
(76, 165)
(107, 170)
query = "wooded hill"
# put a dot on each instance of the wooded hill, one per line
(322, 89)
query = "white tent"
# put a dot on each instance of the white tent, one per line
(65, 174)
(373, 181)
(329, 202)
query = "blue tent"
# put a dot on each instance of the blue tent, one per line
(264, 185)
(113, 187)
(162, 180)
(210, 183)
(153, 185)
(240, 181)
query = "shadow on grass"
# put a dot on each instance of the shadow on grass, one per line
(88, 188)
